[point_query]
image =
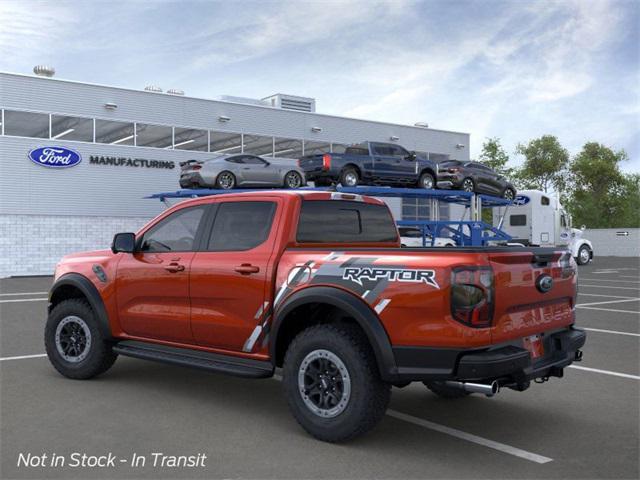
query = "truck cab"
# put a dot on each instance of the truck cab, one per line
(539, 219)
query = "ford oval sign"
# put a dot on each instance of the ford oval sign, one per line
(521, 200)
(55, 157)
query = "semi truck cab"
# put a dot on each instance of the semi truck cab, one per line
(539, 219)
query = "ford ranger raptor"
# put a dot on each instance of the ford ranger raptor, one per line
(316, 284)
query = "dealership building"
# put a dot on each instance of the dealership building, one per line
(129, 144)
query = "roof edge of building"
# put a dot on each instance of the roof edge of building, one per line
(229, 102)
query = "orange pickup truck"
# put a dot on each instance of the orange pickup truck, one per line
(315, 283)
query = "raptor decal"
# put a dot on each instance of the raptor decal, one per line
(357, 274)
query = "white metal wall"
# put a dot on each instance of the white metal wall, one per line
(614, 242)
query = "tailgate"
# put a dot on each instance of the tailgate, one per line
(311, 163)
(527, 302)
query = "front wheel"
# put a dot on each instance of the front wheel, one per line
(332, 383)
(74, 343)
(293, 179)
(226, 180)
(427, 181)
(584, 255)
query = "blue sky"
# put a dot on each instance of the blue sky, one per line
(514, 70)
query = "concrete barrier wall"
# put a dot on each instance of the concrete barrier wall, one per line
(614, 242)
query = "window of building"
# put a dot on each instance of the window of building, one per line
(71, 128)
(287, 148)
(258, 145)
(26, 124)
(191, 139)
(114, 133)
(518, 220)
(176, 233)
(241, 226)
(329, 221)
(416, 209)
(157, 136)
(313, 148)
(438, 157)
(225, 143)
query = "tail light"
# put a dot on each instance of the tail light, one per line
(472, 296)
(299, 162)
(568, 266)
(196, 167)
(326, 161)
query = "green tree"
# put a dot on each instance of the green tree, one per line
(544, 166)
(600, 195)
(494, 156)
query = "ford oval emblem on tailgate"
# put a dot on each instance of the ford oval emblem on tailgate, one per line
(544, 283)
(55, 157)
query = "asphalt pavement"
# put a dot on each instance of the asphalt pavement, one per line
(585, 425)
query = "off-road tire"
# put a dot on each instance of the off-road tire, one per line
(369, 395)
(440, 389)
(100, 356)
(346, 173)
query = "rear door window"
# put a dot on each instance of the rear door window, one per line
(342, 221)
(241, 226)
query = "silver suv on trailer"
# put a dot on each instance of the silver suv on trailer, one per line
(241, 170)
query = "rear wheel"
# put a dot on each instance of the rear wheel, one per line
(74, 342)
(226, 180)
(332, 383)
(427, 181)
(468, 185)
(584, 255)
(349, 177)
(293, 179)
(440, 389)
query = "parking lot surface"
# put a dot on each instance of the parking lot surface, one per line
(585, 425)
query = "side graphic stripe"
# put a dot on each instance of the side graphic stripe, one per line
(248, 345)
(382, 305)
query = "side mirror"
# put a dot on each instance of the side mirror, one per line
(124, 242)
(411, 156)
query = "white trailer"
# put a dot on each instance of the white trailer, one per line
(537, 218)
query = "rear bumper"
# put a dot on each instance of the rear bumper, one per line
(449, 180)
(192, 179)
(510, 364)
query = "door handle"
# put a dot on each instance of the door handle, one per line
(174, 268)
(247, 269)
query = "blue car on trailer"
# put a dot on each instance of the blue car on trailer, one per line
(371, 163)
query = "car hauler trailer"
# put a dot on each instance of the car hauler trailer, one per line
(538, 219)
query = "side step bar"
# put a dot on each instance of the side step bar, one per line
(241, 367)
